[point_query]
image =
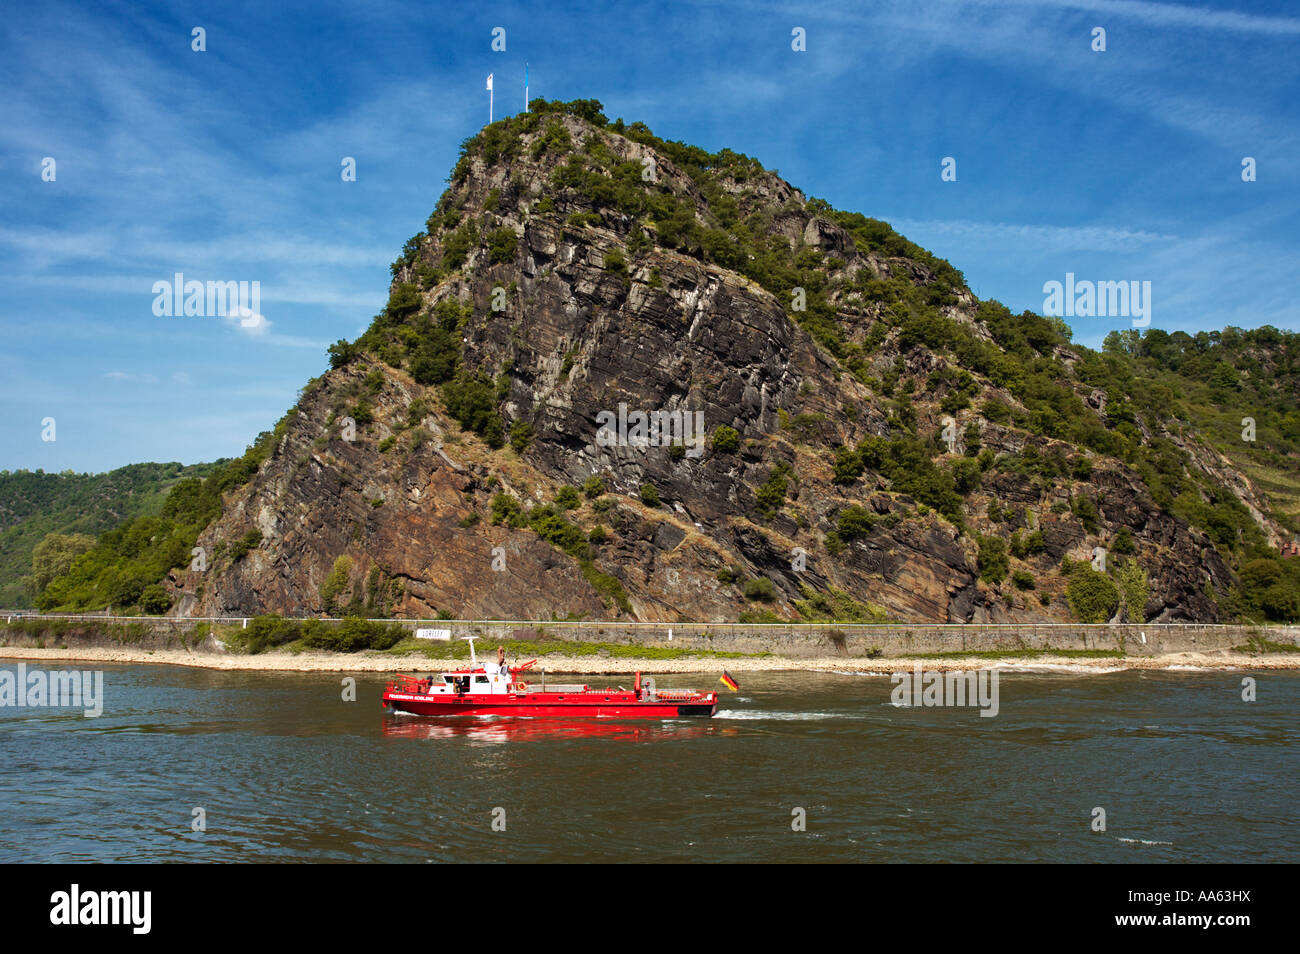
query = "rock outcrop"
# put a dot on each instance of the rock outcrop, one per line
(570, 309)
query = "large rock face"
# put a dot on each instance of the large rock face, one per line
(587, 314)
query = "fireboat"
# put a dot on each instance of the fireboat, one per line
(501, 691)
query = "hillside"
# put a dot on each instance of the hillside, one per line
(34, 504)
(878, 443)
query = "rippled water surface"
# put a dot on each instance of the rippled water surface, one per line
(287, 771)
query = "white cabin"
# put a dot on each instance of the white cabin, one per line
(485, 679)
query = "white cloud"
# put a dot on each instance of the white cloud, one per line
(248, 321)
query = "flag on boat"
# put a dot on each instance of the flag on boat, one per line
(730, 683)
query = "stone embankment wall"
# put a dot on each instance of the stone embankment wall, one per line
(793, 640)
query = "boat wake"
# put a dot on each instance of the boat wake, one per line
(775, 716)
(1070, 668)
(859, 672)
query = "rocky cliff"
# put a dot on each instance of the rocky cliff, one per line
(874, 443)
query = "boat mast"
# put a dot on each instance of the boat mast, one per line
(473, 660)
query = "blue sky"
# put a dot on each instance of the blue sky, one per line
(225, 165)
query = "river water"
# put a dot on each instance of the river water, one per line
(284, 769)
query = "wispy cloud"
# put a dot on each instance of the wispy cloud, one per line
(128, 376)
(1056, 237)
(1165, 15)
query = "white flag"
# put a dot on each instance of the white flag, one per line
(489, 85)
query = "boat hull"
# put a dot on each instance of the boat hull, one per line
(613, 706)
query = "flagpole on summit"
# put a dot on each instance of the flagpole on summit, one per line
(525, 87)
(489, 90)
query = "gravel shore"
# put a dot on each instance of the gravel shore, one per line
(592, 665)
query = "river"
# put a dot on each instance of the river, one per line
(284, 769)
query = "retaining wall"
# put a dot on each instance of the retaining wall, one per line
(794, 640)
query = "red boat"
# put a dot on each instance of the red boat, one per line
(501, 691)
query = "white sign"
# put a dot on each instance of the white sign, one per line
(442, 634)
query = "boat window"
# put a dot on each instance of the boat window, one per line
(482, 679)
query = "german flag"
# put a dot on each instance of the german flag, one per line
(730, 683)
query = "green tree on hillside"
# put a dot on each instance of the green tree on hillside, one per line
(54, 556)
